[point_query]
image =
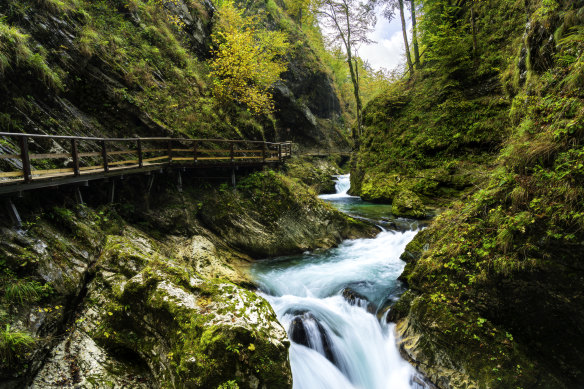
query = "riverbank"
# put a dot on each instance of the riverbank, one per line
(149, 292)
(333, 305)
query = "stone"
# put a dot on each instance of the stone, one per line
(408, 204)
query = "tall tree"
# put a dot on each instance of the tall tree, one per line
(391, 6)
(415, 34)
(350, 22)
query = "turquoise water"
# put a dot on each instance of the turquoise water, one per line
(337, 344)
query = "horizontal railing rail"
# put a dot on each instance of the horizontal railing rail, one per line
(30, 157)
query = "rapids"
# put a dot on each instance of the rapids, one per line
(340, 342)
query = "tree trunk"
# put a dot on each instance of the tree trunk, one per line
(355, 82)
(415, 35)
(474, 34)
(354, 77)
(406, 44)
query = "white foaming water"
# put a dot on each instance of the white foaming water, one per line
(335, 344)
(364, 348)
(342, 186)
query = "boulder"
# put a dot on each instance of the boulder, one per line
(408, 204)
(307, 331)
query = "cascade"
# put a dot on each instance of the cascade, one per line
(329, 303)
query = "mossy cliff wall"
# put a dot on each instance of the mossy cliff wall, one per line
(431, 137)
(495, 282)
(152, 291)
(132, 67)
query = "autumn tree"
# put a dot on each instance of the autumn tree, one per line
(350, 22)
(247, 61)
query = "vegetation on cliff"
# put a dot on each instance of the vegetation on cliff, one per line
(152, 291)
(495, 111)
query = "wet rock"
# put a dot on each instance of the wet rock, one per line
(79, 362)
(307, 331)
(357, 299)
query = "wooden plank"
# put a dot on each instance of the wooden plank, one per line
(140, 156)
(213, 158)
(95, 167)
(120, 152)
(9, 156)
(153, 150)
(104, 156)
(11, 174)
(75, 156)
(50, 156)
(156, 158)
(183, 158)
(96, 154)
(134, 161)
(248, 151)
(182, 150)
(25, 159)
(52, 171)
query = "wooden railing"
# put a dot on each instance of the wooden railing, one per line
(23, 157)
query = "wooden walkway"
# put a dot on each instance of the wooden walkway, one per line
(25, 164)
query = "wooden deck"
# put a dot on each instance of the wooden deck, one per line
(26, 165)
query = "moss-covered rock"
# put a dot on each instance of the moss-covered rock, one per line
(379, 188)
(155, 315)
(317, 173)
(408, 204)
(271, 214)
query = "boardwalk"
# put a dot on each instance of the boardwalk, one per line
(25, 164)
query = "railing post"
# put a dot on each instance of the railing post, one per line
(290, 149)
(231, 152)
(169, 146)
(140, 156)
(104, 156)
(75, 157)
(280, 152)
(26, 170)
(264, 152)
(195, 151)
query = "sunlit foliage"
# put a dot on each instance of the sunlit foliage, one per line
(248, 60)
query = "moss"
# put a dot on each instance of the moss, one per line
(379, 188)
(407, 204)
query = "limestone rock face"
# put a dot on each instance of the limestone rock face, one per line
(157, 321)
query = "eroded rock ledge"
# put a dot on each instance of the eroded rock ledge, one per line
(152, 292)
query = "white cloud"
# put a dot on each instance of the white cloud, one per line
(388, 50)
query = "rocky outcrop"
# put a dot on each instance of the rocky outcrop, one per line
(289, 220)
(154, 294)
(315, 172)
(153, 315)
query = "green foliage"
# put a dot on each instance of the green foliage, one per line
(248, 59)
(16, 51)
(14, 345)
(23, 291)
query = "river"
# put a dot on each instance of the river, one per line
(332, 303)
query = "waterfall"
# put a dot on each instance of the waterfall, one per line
(342, 186)
(327, 301)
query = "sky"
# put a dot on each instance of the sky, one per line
(388, 51)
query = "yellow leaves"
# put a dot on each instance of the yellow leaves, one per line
(248, 60)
